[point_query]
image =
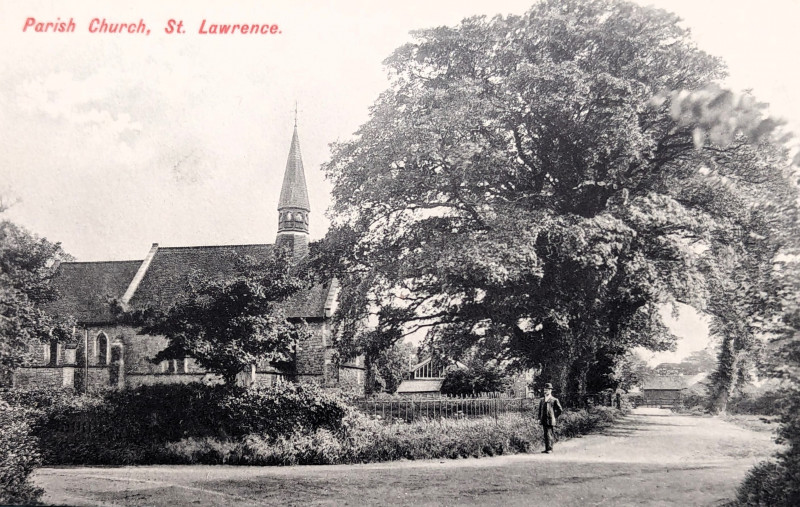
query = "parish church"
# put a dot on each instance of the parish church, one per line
(103, 353)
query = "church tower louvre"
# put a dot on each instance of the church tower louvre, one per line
(293, 206)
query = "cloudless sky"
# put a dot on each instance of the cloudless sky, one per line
(111, 142)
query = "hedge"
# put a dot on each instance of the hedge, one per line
(19, 456)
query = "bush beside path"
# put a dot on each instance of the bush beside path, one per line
(650, 457)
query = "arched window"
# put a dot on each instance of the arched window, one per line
(298, 217)
(289, 216)
(102, 349)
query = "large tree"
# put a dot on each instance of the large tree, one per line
(529, 185)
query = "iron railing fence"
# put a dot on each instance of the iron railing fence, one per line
(410, 409)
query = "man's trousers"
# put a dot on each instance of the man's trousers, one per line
(549, 437)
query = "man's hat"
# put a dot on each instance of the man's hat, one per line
(548, 386)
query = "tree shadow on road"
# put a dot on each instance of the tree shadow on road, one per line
(629, 425)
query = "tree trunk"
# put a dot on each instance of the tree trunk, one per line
(726, 376)
(562, 380)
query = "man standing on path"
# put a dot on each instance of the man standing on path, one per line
(549, 411)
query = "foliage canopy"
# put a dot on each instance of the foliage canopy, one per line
(27, 263)
(532, 186)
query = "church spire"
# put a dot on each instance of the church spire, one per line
(293, 206)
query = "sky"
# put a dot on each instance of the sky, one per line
(111, 142)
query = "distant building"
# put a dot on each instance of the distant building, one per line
(104, 353)
(664, 390)
(425, 379)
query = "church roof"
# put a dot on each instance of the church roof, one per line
(294, 193)
(85, 287)
(171, 269)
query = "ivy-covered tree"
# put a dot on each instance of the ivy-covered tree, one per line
(532, 186)
(229, 323)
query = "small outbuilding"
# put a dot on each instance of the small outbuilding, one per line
(426, 379)
(664, 390)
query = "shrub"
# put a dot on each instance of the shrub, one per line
(282, 409)
(764, 403)
(694, 403)
(478, 377)
(321, 447)
(37, 398)
(580, 422)
(777, 483)
(364, 439)
(205, 451)
(135, 426)
(281, 425)
(764, 485)
(19, 456)
(634, 399)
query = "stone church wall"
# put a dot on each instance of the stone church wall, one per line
(118, 356)
(45, 376)
(310, 355)
(137, 349)
(99, 377)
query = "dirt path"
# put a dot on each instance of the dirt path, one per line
(652, 457)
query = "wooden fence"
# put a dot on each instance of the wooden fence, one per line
(410, 409)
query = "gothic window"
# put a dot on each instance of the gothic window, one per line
(102, 349)
(298, 217)
(289, 216)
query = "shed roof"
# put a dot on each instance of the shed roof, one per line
(420, 386)
(665, 383)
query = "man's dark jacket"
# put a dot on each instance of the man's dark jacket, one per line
(549, 411)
